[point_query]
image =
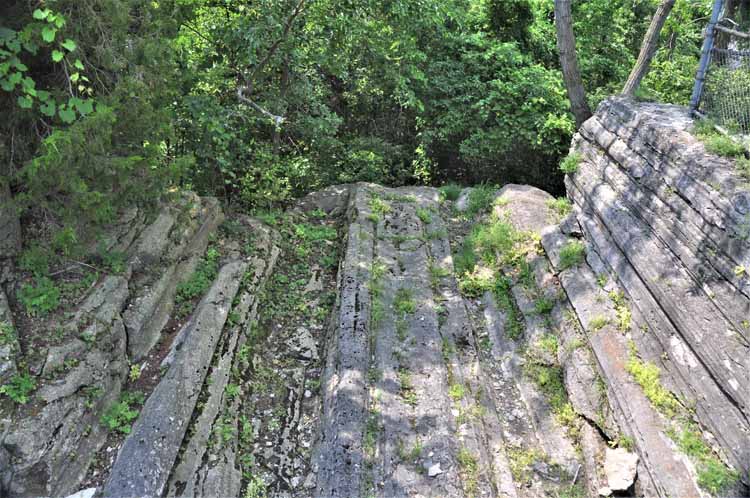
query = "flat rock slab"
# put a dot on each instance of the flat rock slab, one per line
(148, 454)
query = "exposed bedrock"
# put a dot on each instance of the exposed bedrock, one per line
(47, 446)
(670, 224)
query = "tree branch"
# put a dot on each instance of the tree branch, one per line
(245, 91)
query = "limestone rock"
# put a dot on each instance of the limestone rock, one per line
(146, 458)
(620, 468)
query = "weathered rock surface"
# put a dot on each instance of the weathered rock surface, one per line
(51, 442)
(8, 340)
(668, 221)
(410, 387)
(620, 467)
(145, 461)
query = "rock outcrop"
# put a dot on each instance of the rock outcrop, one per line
(670, 224)
(50, 443)
(377, 341)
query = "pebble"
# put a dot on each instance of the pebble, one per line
(308, 393)
(434, 470)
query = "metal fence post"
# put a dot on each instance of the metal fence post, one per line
(708, 45)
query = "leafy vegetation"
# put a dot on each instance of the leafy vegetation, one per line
(723, 145)
(41, 297)
(19, 387)
(199, 281)
(122, 414)
(115, 103)
(570, 164)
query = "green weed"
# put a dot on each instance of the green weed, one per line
(19, 387)
(480, 199)
(572, 254)
(424, 215)
(7, 334)
(121, 415)
(598, 322)
(561, 206)
(451, 191)
(570, 164)
(456, 391)
(469, 468)
(199, 281)
(647, 375)
(404, 302)
(544, 305)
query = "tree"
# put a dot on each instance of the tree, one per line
(648, 47)
(566, 46)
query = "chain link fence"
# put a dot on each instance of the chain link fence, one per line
(726, 92)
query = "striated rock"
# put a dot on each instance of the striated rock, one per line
(146, 458)
(51, 441)
(158, 272)
(669, 221)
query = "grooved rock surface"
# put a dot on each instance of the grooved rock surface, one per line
(145, 460)
(48, 444)
(666, 224)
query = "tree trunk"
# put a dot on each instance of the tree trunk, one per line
(566, 46)
(648, 47)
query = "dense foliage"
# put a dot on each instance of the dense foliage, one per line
(111, 102)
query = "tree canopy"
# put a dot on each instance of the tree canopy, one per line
(112, 102)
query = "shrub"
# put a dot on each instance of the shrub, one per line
(121, 415)
(40, 298)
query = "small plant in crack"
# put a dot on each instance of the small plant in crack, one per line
(572, 254)
(424, 215)
(407, 391)
(469, 467)
(404, 302)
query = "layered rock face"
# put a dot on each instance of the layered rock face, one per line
(669, 224)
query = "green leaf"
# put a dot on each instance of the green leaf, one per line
(20, 65)
(4, 67)
(78, 64)
(48, 34)
(57, 56)
(25, 102)
(48, 109)
(69, 45)
(28, 84)
(15, 78)
(66, 115)
(13, 45)
(40, 14)
(7, 85)
(86, 107)
(43, 95)
(6, 34)
(74, 77)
